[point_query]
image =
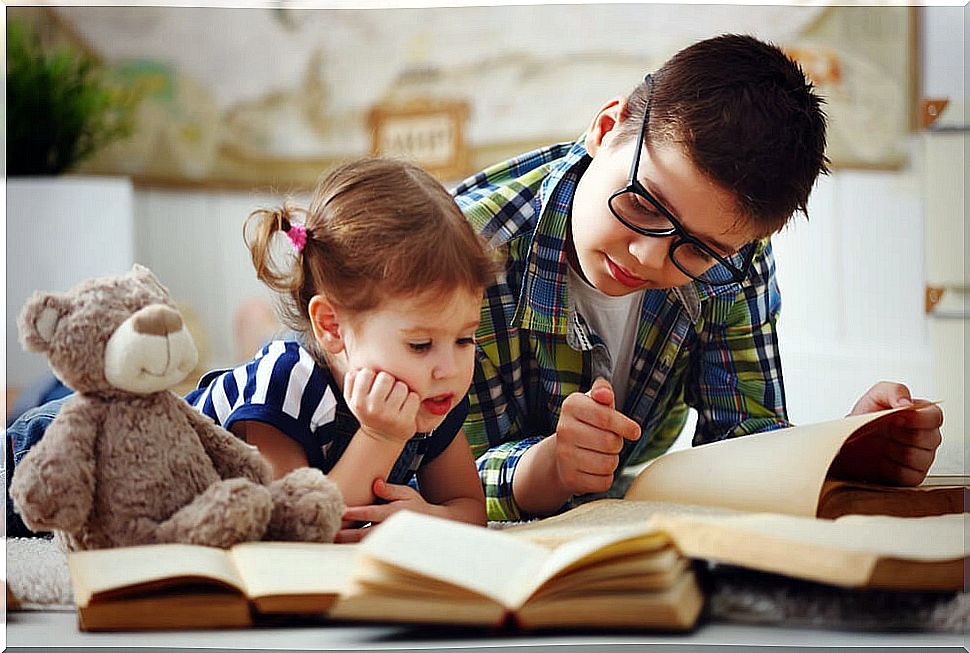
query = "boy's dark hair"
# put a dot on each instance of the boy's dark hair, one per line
(746, 116)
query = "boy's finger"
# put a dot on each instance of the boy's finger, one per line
(928, 439)
(928, 417)
(602, 392)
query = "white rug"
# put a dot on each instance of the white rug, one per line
(37, 574)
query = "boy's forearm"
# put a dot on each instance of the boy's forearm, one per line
(365, 459)
(536, 486)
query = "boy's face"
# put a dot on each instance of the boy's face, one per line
(617, 260)
(427, 341)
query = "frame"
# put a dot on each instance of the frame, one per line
(431, 133)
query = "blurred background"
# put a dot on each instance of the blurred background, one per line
(147, 134)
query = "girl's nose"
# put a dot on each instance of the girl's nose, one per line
(444, 366)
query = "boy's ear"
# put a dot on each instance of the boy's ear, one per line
(604, 122)
(325, 320)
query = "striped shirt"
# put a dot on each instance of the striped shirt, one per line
(711, 347)
(284, 387)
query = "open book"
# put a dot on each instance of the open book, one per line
(186, 586)
(417, 568)
(784, 471)
(762, 502)
(612, 563)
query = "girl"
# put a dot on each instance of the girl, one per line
(382, 286)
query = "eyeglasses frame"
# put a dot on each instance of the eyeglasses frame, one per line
(633, 185)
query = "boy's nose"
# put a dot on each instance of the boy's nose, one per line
(650, 251)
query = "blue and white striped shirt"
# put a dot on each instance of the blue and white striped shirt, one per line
(284, 387)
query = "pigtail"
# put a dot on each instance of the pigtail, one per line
(284, 270)
(281, 272)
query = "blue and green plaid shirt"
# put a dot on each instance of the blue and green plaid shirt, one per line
(713, 348)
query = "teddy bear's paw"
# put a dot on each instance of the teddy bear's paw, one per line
(307, 507)
(227, 513)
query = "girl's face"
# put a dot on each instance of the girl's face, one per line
(426, 340)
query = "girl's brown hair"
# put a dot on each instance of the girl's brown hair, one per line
(375, 228)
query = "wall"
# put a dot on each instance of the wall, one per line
(851, 276)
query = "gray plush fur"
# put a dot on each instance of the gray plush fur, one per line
(121, 465)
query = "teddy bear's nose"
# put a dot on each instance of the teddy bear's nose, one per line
(157, 320)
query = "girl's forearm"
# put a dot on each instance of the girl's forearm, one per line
(466, 509)
(365, 459)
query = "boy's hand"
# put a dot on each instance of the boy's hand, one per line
(898, 452)
(399, 497)
(385, 407)
(589, 438)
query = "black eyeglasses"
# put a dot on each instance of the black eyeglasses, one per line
(643, 213)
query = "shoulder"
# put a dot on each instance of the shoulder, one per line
(754, 301)
(283, 376)
(500, 200)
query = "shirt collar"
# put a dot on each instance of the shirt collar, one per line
(544, 302)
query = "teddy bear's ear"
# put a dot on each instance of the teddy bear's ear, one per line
(39, 318)
(146, 275)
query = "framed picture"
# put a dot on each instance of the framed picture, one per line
(431, 133)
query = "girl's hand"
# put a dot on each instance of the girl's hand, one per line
(385, 407)
(400, 497)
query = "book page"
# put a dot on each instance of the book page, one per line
(841, 552)
(778, 471)
(487, 562)
(619, 543)
(101, 570)
(603, 515)
(278, 568)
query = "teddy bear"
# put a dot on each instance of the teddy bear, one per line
(129, 462)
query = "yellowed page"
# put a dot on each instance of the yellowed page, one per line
(602, 515)
(777, 471)
(279, 568)
(469, 556)
(485, 561)
(101, 570)
(841, 552)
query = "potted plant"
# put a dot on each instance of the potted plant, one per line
(61, 106)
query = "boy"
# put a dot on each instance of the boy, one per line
(639, 280)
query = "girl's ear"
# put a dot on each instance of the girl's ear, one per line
(325, 320)
(604, 122)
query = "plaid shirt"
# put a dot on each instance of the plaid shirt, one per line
(713, 348)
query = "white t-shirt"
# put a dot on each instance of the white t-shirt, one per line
(615, 321)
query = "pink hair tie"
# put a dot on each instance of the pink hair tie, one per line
(297, 235)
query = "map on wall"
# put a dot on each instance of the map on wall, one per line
(271, 97)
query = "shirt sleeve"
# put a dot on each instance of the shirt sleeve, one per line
(736, 385)
(493, 425)
(282, 387)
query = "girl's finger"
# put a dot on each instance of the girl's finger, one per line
(349, 535)
(391, 491)
(371, 513)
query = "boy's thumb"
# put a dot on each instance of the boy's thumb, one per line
(601, 392)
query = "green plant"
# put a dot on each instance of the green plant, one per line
(61, 106)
